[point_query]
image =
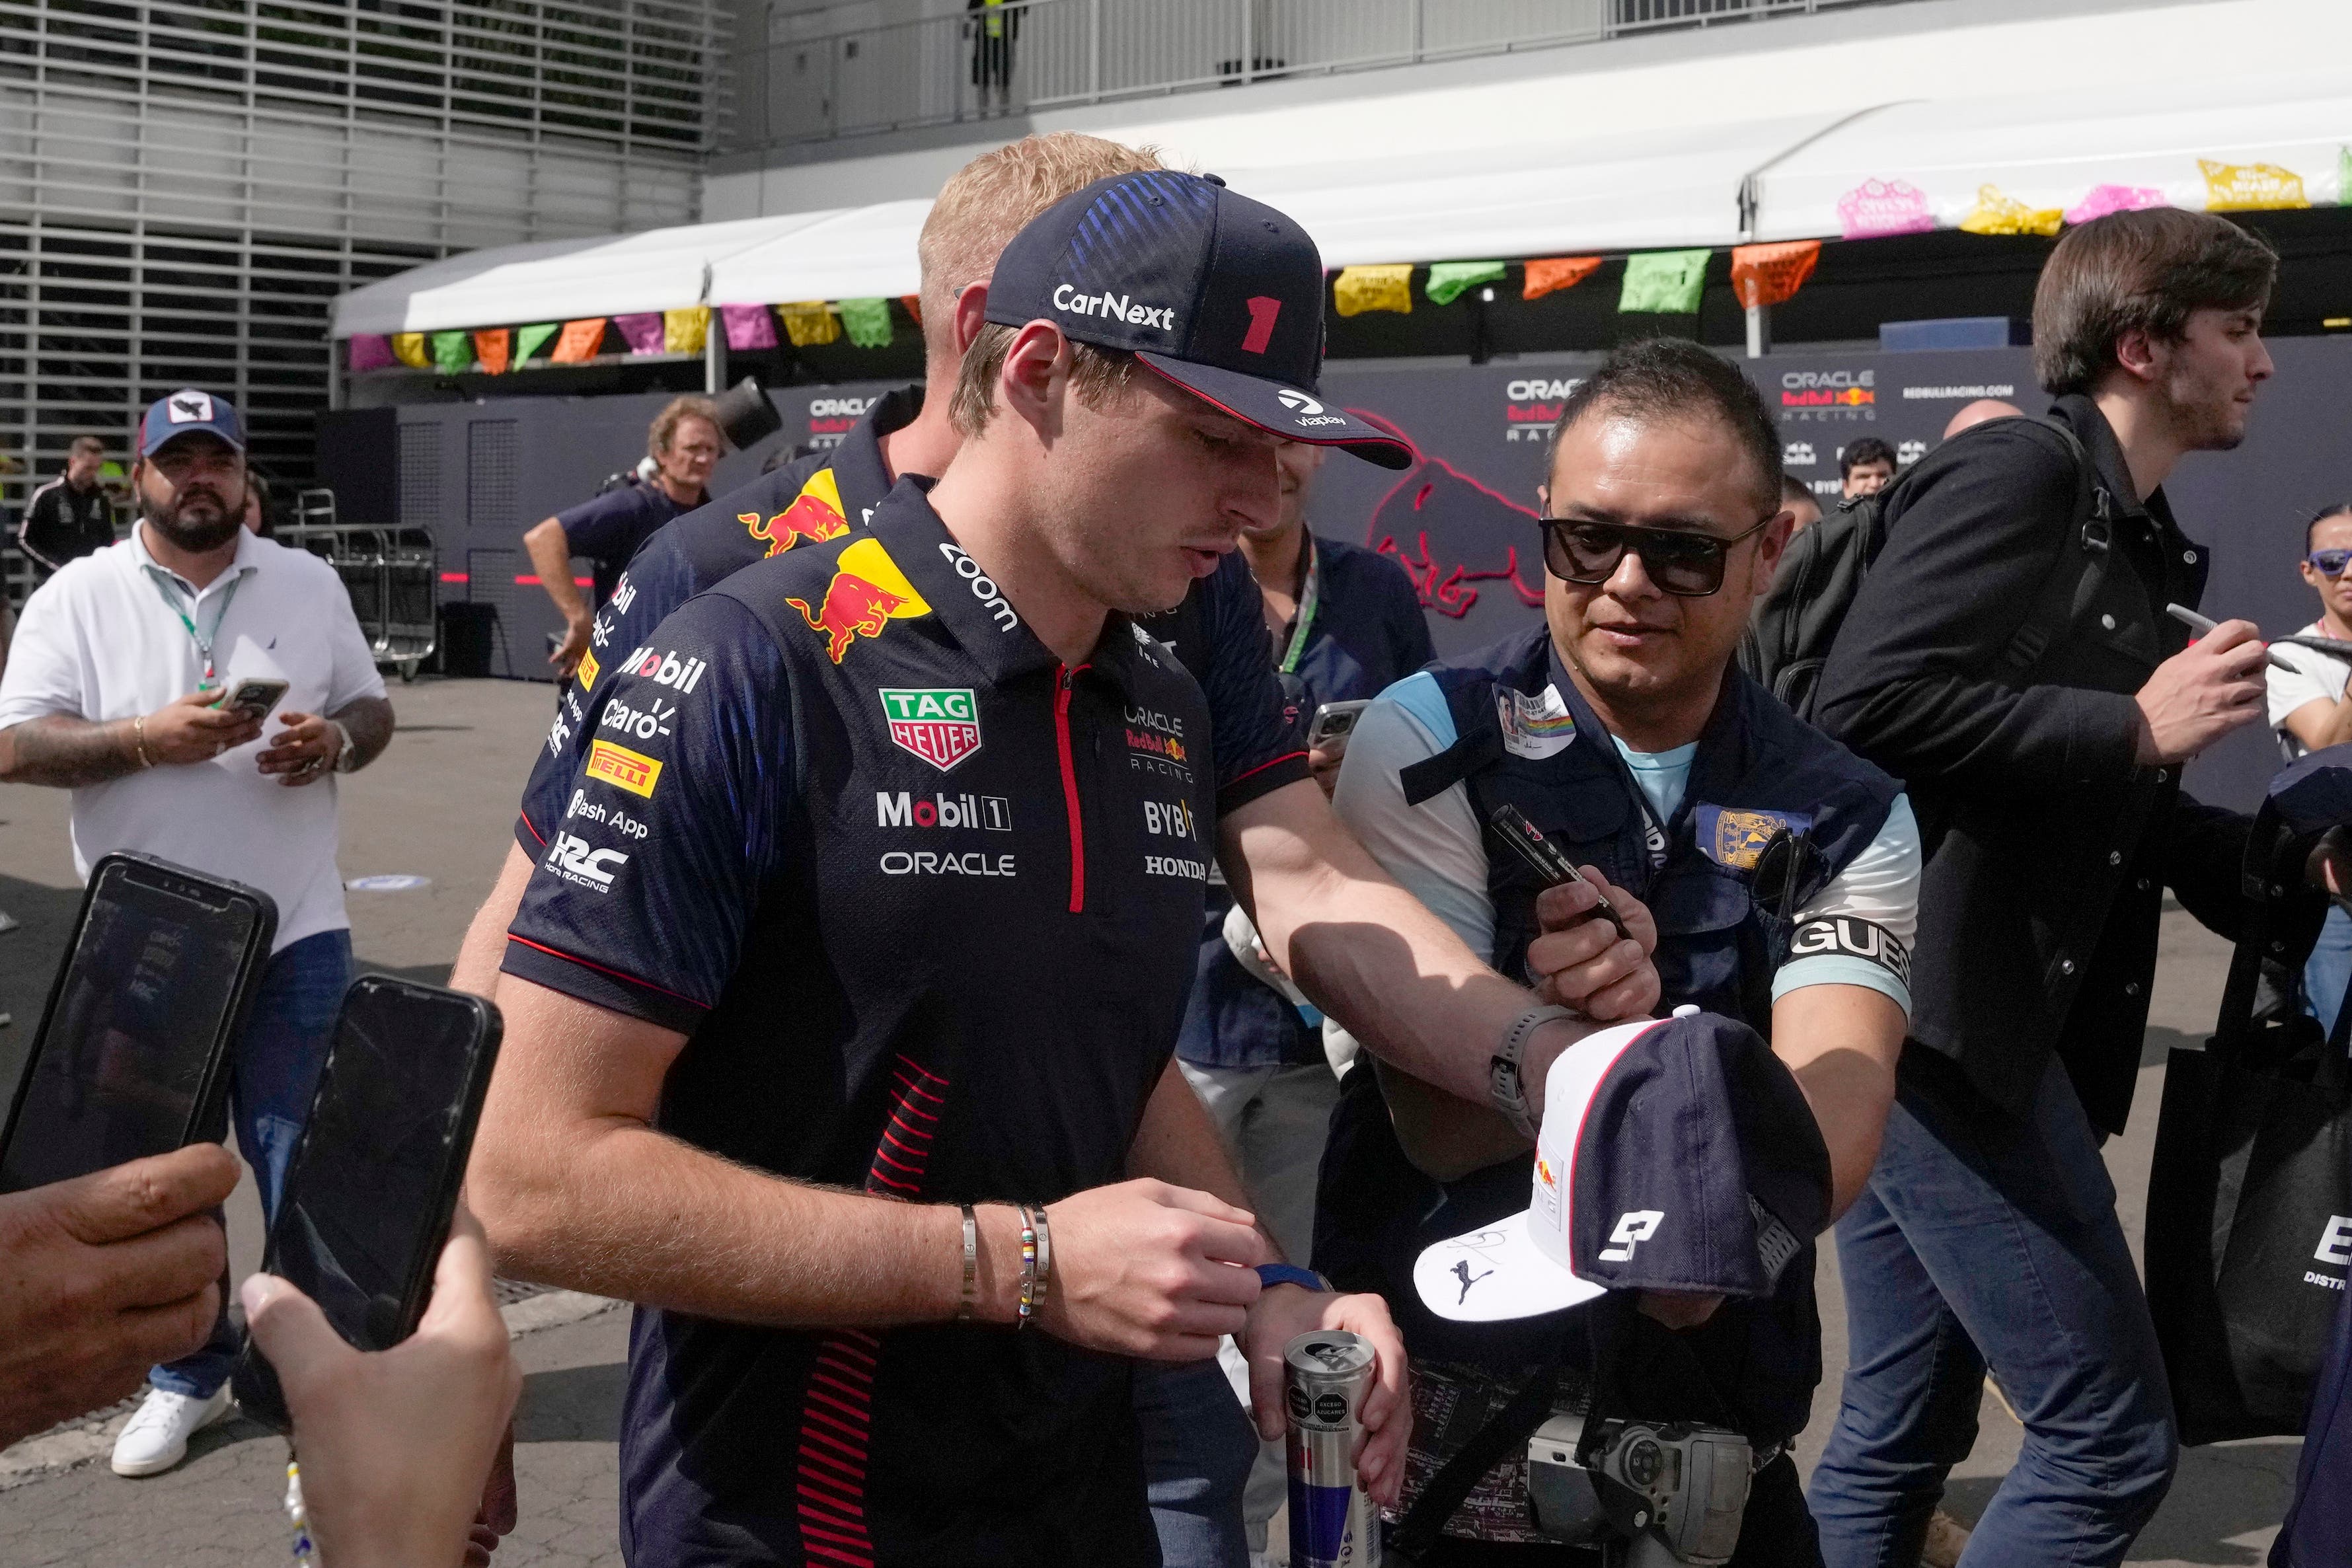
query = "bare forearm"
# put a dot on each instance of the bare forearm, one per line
(67, 753)
(576, 1188)
(551, 557)
(1373, 956)
(1178, 1142)
(485, 947)
(619, 1209)
(367, 722)
(1841, 1043)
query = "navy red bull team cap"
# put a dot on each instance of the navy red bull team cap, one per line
(184, 412)
(1676, 1155)
(1219, 294)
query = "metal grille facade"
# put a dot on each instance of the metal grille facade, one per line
(184, 186)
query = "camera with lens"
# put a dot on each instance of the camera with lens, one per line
(1649, 1493)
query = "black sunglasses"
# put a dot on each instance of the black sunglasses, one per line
(2329, 562)
(1682, 563)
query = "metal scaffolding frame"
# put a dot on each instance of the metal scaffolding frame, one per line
(186, 184)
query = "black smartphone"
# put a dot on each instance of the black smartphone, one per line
(373, 1180)
(132, 1057)
(256, 697)
(1543, 857)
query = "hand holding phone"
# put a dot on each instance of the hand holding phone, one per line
(1333, 723)
(130, 1057)
(195, 728)
(102, 1277)
(395, 1445)
(253, 697)
(372, 1185)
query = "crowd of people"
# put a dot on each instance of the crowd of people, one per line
(1008, 930)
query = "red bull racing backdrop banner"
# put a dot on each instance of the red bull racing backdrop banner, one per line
(1461, 520)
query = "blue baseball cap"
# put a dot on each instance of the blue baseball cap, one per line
(1676, 1155)
(1219, 294)
(187, 410)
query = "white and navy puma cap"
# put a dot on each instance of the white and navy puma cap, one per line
(1216, 293)
(1676, 1155)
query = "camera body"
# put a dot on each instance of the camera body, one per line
(1672, 1491)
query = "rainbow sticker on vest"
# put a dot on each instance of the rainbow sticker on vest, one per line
(1735, 839)
(814, 517)
(1534, 727)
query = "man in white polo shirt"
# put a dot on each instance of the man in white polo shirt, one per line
(109, 692)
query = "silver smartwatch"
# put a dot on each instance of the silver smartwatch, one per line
(1506, 1081)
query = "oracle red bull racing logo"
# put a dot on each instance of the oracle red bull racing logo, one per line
(816, 516)
(867, 593)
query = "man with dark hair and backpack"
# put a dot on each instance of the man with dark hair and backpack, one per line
(2008, 655)
(1782, 874)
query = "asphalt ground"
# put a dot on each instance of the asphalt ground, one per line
(440, 805)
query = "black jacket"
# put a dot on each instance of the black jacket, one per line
(2048, 846)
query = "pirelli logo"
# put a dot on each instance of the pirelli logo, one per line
(617, 765)
(588, 672)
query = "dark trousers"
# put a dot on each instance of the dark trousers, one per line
(1984, 1238)
(1775, 1533)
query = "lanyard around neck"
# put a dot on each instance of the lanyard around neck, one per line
(168, 588)
(1310, 596)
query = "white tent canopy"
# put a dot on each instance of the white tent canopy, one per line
(1652, 156)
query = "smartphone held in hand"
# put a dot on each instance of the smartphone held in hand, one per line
(130, 1059)
(372, 1185)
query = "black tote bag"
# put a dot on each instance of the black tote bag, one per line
(2250, 1199)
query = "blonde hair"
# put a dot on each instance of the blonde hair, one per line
(677, 412)
(1099, 377)
(993, 197)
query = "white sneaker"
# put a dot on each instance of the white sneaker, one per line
(157, 1435)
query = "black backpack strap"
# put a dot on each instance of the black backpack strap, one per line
(1505, 1432)
(2079, 573)
(1433, 776)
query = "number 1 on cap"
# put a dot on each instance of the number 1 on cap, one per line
(1263, 310)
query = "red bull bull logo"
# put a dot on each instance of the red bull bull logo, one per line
(867, 593)
(814, 517)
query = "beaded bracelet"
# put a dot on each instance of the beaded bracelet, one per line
(1028, 1267)
(970, 1266)
(306, 1551)
(1044, 1259)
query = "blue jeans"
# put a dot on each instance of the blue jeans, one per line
(2329, 969)
(1198, 1447)
(273, 1072)
(1983, 1238)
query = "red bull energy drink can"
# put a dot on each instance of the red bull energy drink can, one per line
(1326, 1376)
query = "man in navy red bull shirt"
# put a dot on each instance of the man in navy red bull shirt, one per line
(873, 912)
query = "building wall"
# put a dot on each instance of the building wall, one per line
(184, 186)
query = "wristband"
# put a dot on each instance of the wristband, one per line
(1045, 1257)
(970, 1266)
(1028, 1268)
(139, 735)
(1272, 1274)
(1505, 1082)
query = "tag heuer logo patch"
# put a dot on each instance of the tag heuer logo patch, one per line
(940, 724)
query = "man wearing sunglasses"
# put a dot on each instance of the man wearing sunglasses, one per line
(1783, 873)
(2308, 709)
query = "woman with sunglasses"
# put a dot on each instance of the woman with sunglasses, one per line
(2308, 709)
